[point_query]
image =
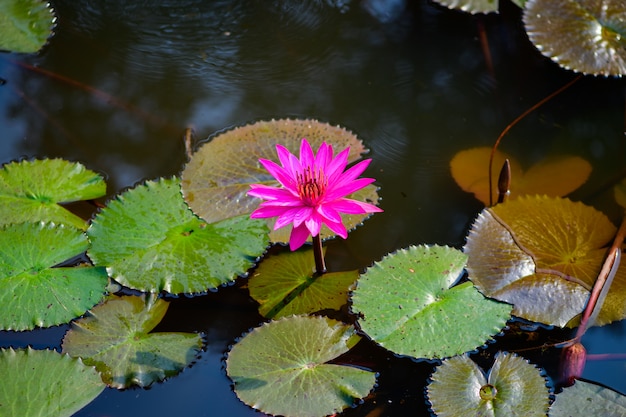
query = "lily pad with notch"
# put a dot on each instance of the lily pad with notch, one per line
(116, 338)
(409, 304)
(285, 284)
(33, 292)
(149, 240)
(512, 388)
(282, 367)
(31, 191)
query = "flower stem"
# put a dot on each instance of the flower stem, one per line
(320, 264)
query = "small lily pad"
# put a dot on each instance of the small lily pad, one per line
(587, 399)
(513, 388)
(25, 25)
(32, 292)
(149, 240)
(30, 191)
(407, 303)
(282, 368)
(587, 36)
(543, 255)
(116, 339)
(285, 284)
(219, 174)
(45, 383)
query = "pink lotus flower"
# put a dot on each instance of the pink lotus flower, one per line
(313, 191)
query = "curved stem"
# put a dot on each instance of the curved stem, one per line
(318, 253)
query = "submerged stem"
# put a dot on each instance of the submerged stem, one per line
(318, 253)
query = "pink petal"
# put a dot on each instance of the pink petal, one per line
(352, 173)
(349, 206)
(306, 154)
(267, 192)
(324, 156)
(314, 224)
(337, 228)
(299, 235)
(289, 161)
(337, 165)
(328, 212)
(337, 192)
(266, 212)
(303, 214)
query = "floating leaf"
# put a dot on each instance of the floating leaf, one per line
(116, 339)
(32, 293)
(25, 25)
(45, 383)
(587, 36)
(149, 240)
(285, 284)
(407, 304)
(586, 399)
(471, 6)
(219, 174)
(565, 173)
(620, 193)
(513, 388)
(543, 255)
(31, 190)
(281, 367)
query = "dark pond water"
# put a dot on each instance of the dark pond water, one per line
(120, 82)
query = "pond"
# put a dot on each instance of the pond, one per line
(120, 82)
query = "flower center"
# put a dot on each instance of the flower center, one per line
(311, 186)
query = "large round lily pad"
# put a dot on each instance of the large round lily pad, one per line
(543, 255)
(219, 174)
(587, 36)
(587, 399)
(282, 368)
(148, 239)
(408, 303)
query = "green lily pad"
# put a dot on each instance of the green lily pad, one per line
(281, 367)
(148, 239)
(30, 191)
(285, 284)
(407, 303)
(471, 6)
(543, 255)
(586, 399)
(25, 25)
(32, 293)
(45, 383)
(513, 388)
(116, 339)
(587, 36)
(219, 174)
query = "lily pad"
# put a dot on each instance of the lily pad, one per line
(282, 368)
(587, 36)
(587, 399)
(45, 383)
(407, 303)
(543, 255)
(471, 6)
(25, 25)
(219, 174)
(149, 240)
(285, 284)
(565, 173)
(30, 191)
(513, 388)
(116, 339)
(32, 292)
